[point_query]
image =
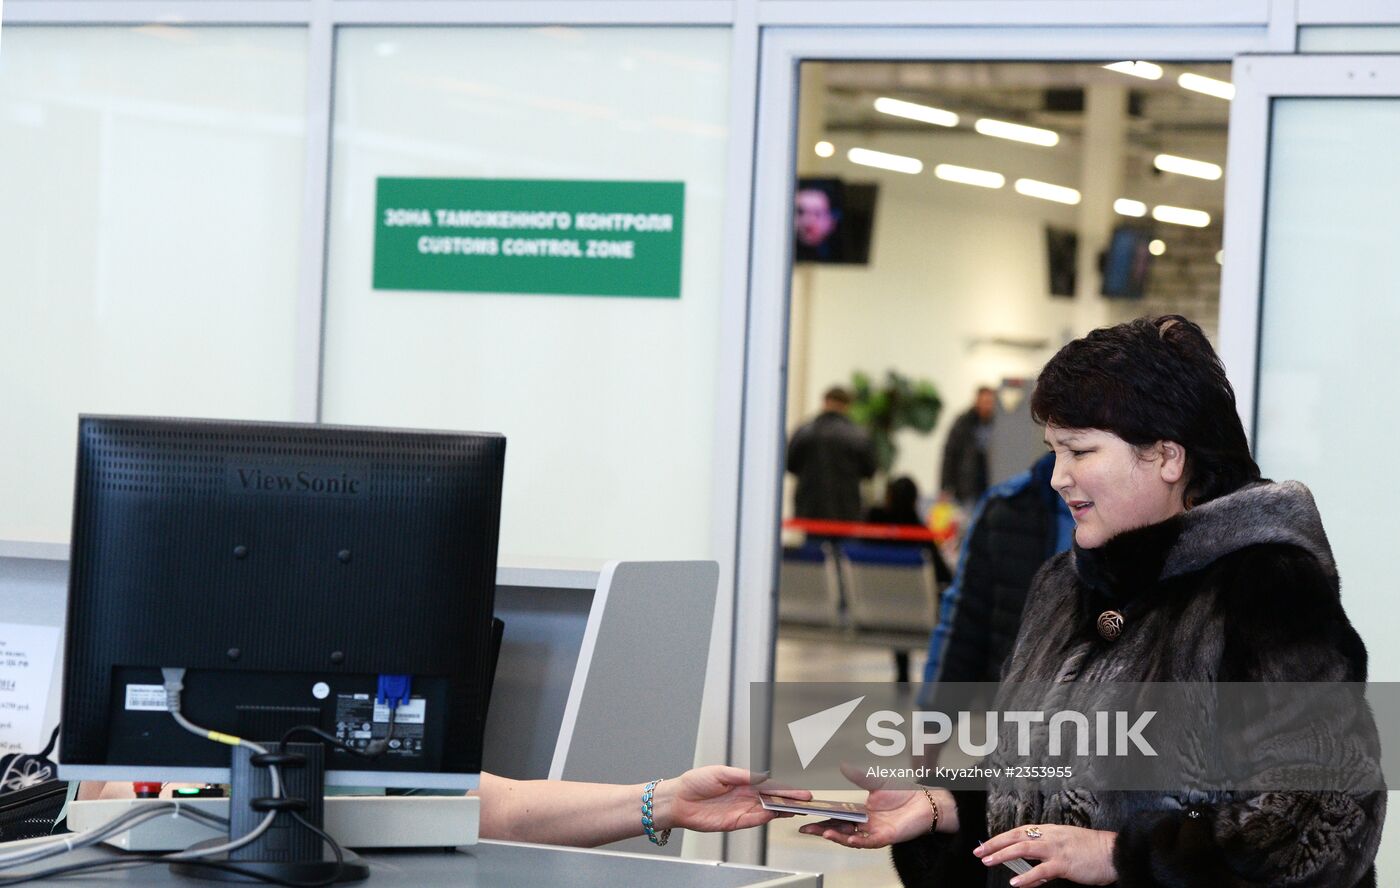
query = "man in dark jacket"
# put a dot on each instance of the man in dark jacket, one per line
(830, 455)
(964, 472)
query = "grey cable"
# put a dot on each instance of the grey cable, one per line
(122, 823)
(174, 686)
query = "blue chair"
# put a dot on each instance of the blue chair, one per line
(888, 586)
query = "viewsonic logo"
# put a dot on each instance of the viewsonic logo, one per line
(313, 480)
(811, 733)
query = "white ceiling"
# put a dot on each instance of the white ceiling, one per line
(1170, 119)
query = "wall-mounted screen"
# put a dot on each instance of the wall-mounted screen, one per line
(833, 220)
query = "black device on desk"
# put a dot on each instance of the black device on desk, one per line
(257, 577)
(207, 791)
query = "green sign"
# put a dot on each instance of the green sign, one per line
(588, 238)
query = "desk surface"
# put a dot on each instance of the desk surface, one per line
(498, 865)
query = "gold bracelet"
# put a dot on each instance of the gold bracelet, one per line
(934, 805)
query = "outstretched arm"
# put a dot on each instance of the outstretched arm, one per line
(554, 812)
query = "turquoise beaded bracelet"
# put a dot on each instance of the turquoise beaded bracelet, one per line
(648, 824)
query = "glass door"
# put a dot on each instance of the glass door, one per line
(1312, 278)
(1311, 307)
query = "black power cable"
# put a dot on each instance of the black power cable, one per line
(375, 749)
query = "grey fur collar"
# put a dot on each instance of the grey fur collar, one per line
(1266, 512)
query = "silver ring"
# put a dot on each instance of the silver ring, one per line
(1033, 832)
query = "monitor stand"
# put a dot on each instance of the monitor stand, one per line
(288, 850)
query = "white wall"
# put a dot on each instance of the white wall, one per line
(607, 404)
(151, 183)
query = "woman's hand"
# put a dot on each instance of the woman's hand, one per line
(1061, 852)
(717, 798)
(896, 815)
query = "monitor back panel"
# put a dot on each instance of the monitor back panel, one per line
(285, 567)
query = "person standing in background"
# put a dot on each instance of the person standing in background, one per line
(1019, 525)
(830, 455)
(964, 472)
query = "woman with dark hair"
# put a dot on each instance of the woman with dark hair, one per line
(1186, 567)
(901, 504)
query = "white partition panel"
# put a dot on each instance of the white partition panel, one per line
(1328, 364)
(1311, 284)
(608, 404)
(150, 199)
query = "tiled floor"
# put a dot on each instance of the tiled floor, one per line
(789, 849)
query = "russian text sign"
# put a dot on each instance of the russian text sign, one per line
(585, 238)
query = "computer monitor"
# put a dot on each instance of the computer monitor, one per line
(285, 567)
(1127, 263)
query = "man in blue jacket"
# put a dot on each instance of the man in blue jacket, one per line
(1016, 527)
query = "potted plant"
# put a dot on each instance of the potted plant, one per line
(900, 403)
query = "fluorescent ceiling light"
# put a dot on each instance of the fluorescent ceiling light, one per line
(1046, 191)
(1145, 70)
(1125, 207)
(912, 111)
(897, 163)
(1016, 132)
(824, 149)
(1170, 163)
(1157, 247)
(1181, 216)
(1208, 85)
(969, 176)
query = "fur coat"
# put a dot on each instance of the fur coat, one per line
(1242, 588)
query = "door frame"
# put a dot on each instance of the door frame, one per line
(781, 52)
(1259, 80)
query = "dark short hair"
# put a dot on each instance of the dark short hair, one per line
(838, 394)
(1150, 380)
(902, 492)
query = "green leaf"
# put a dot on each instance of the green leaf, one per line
(901, 403)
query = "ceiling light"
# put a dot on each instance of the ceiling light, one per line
(1157, 247)
(1016, 132)
(1170, 163)
(897, 163)
(1145, 70)
(824, 149)
(1181, 216)
(1219, 257)
(1046, 191)
(912, 111)
(1208, 85)
(1126, 207)
(969, 176)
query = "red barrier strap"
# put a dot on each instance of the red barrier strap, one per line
(861, 530)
